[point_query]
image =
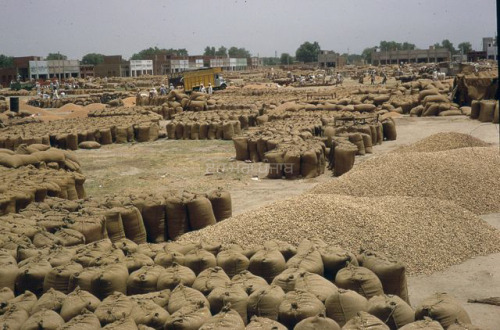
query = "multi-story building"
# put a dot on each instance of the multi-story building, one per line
(60, 69)
(490, 47)
(141, 67)
(411, 56)
(330, 59)
(112, 66)
(229, 64)
(86, 70)
(255, 62)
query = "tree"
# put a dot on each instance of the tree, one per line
(157, 51)
(367, 54)
(408, 46)
(6, 61)
(93, 58)
(222, 51)
(448, 45)
(352, 58)
(464, 47)
(286, 59)
(238, 52)
(270, 60)
(209, 51)
(308, 52)
(56, 56)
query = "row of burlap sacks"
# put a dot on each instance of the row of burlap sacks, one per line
(22, 186)
(69, 133)
(294, 152)
(206, 285)
(149, 218)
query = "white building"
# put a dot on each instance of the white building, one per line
(490, 47)
(229, 64)
(60, 69)
(141, 67)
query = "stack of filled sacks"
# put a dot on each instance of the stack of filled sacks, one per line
(206, 285)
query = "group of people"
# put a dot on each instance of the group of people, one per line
(208, 90)
(163, 90)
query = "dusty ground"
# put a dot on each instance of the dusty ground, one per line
(165, 165)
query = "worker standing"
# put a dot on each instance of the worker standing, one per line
(172, 87)
(384, 76)
(203, 89)
(339, 79)
(210, 89)
(372, 78)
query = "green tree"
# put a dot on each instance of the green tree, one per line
(270, 60)
(367, 54)
(6, 61)
(286, 59)
(464, 47)
(448, 45)
(408, 46)
(238, 52)
(308, 52)
(92, 58)
(222, 51)
(56, 56)
(209, 51)
(158, 51)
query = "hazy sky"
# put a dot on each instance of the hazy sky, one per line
(124, 27)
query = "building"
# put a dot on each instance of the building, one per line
(255, 62)
(141, 67)
(229, 64)
(7, 75)
(60, 69)
(112, 66)
(330, 59)
(22, 65)
(490, 47)
(86, 70)
(411, 56)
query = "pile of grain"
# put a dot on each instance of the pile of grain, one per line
(425, 233)
(94, 106)
(129, 101)
(69, 107)
(467, 176)
(444, 141)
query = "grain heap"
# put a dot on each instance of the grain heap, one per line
(398, 226)
(466, 176)
(444, 141)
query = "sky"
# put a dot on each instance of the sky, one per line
(124, 27)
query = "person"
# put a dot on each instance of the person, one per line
(384, 76)
(171, 87)
(51, 85)
(434, 75)
(163, 91)
(202, 89)
(339, 79)
(210, 89)
(372, 78)
(55, 96)
(361, 78)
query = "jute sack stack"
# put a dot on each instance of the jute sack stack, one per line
(392, 310)
(443, 308)
(231, 294)
(344, 305)
(317, 322)
(359, 279)
(392, 273)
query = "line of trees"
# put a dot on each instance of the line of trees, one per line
(225, 52)
(157, 51)
(307, 52)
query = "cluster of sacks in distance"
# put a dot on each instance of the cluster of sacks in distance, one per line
(208, 286)
(86, 133)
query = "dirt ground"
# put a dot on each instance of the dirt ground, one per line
(203, 165)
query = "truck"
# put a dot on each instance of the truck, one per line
(192, 80)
